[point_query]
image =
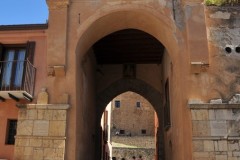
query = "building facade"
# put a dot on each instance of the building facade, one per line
(131, 127)
(182, 56)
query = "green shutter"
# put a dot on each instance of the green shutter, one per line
(30, 50)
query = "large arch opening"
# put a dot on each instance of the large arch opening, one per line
(119, 53)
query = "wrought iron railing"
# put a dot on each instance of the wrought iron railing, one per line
(17, 76)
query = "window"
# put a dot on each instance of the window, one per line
(117, 104)
(122, 131)
(11, 131)
(167, 118)
(14, 65)
(144, 131)
(138, 104)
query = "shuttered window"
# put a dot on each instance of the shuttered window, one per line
(13, 62)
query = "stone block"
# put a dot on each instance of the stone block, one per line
(201, 128)
(35, 142)
(18, 152)
(221, 157)
(59, 143)
(211, 114)
(200, 155)
(48, 115)
(47, 143)
(53, 154)
(28, 151)
(40, 113)
(218, 128)
(224, 114)
(233, 146)
(32, 114)
(208, 145)
(57, 128)
(232, 158)
(59, 153)
(38, 153)
(230, 154)
(25, 127)
(21, 142)
(236, 154)
(216, 101)
(22, 114)
(42, 97)
(49, 153)
(200, 114)
(222, 145)
(216, 145)
(27, 157)
(198, 146)
(233, 128)
(40, 128)
(59, 114)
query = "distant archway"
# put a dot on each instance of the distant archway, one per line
(140, 87)
(134, 85)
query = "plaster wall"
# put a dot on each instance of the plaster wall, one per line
(8, 111)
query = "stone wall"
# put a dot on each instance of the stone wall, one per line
(127, 153)
(126, 147)
(130, 118)
(41, 132)
(135, 141)
(215, 130)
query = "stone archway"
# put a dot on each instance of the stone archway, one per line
(134, 85)
(99, 25)
(142, 88)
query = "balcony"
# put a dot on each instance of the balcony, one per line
(17, 79)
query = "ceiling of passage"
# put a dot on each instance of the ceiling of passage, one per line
(128, 46)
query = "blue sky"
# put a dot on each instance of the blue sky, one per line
(23, 12)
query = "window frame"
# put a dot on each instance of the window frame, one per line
(143, 131)
(138, 104)
(117, 103)
(8, 136)
(29, 54)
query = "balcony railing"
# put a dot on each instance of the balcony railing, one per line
(17, 79)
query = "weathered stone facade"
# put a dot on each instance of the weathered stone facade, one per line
(215, 131)
(127, 147)
(129, 153)
(41, 132)
(132, 114)
(130, 117)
